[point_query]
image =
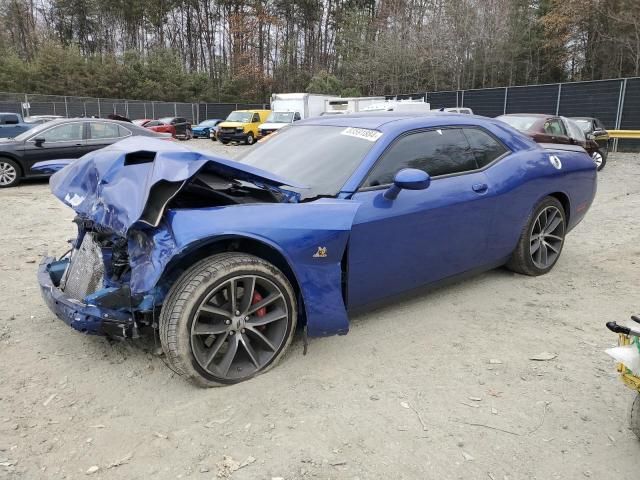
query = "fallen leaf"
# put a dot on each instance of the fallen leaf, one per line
(219, 421)
(93, 469)
(405, 405)
(543, 357)
(248, 461)
(122, 461)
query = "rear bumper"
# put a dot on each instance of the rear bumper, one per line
(78, 315)
(200, 134)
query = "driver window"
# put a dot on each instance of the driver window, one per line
(554, 127)
(256, 118)
(437, 152)
(63, 133)
(296, 117)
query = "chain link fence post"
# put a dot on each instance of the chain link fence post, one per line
(558, 100)
(506, 95)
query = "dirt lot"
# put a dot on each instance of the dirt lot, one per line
(436, 387)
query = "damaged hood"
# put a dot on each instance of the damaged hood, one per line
(133, 180)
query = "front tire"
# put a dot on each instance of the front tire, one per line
(541, 240)
(227, 319)
(250, 139)
(10, 173)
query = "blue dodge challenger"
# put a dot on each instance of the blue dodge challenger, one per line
(224, 259)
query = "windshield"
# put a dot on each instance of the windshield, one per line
(585, 125)
(280, 117)
(25, 135)
(165, 120)
(575, 131)
(242, 117)
(518, 122)
(320, 157)
(208, 123)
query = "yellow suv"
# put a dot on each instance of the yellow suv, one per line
(242, 126)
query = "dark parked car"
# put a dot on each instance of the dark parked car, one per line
(553, 129)
(596, 131)
(66, 138)
(178, 127)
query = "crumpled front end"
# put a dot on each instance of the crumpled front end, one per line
(120, 194)
(90, 287)
(146, 210)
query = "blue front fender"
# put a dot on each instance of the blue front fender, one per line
(311, 237)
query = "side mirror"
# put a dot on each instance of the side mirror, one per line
(408, 179)
(38, 141)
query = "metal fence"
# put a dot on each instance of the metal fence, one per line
(71, 106)
(615, 102)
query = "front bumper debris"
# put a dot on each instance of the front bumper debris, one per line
(81, 316)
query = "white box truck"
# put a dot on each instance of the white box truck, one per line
(417, 106)
(287, 108)
(346, 105)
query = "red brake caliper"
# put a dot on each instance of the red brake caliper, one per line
(257, 298)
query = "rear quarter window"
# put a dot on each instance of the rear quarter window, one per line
(485, 148)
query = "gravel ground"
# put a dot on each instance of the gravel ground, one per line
(440, 386)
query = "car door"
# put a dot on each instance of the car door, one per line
(101, 134)
(65, 140)
(423, 235)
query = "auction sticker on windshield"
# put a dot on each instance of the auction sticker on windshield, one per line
(364, 133)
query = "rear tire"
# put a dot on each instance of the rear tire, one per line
(541, 240)
(600, 159)
(211, 328)
(635, 416)
(10, 173)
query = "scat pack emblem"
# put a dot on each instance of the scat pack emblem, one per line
(321, 253)
(555, 161)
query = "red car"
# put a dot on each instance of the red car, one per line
(553, 129)
(178, 127)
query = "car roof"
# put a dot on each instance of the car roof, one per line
(583, 118)
(388, 120)
(536, 115)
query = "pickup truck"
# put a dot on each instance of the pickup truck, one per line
(12, 125)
